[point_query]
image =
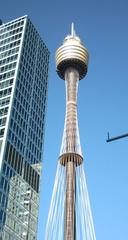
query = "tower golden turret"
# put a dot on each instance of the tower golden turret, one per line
(72, 54)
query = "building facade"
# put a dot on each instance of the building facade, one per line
(24, 60)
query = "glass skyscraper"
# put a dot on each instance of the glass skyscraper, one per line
(24, 60)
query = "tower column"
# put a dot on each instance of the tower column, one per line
(71, 140)
(70, 202)
(70, 145)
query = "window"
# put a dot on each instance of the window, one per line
(5, 92)
(7, 67)
(8, 46)
(9, 52)
(10, 39)
(3, 111)
(1, 132)
(4, 101)
(10, 33)
(8, 59)
(2, 122)
(6, 83)
(7, 75)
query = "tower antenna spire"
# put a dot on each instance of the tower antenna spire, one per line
(73, 34)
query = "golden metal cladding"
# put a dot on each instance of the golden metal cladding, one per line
(72, 54)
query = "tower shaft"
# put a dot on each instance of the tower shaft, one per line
(69, 231)
(70, 150)
(71, 140)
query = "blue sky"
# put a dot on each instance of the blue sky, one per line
(102, 103)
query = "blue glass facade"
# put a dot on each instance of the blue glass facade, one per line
(24, 60)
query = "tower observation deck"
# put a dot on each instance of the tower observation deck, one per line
(70, 214)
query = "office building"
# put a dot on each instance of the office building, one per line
(24, 60)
